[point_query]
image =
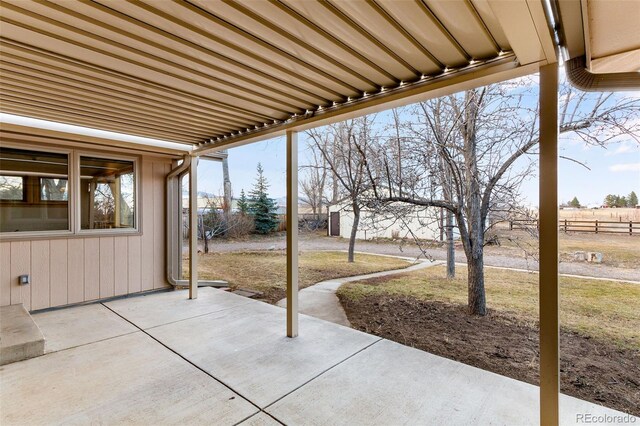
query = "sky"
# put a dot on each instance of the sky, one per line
(614, 169)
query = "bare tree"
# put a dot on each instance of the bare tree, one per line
(468, 153)
(346, 148)
(228, 195)
(210, 222)
(316, 176)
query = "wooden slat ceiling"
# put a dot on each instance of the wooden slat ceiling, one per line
(189, 71)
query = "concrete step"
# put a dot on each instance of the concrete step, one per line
(20, 337)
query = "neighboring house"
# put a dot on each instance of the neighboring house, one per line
(404, 222)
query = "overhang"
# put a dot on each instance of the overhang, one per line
(206, 73)
(601, 42)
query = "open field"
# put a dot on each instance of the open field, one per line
(621, 251)
(616, 214)
(265, 271)
(600, 327)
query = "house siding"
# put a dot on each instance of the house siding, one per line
(82, 268)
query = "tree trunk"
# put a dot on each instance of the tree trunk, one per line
(476, 226)
(477, 301)
(354, 230)
(204, 235)
(227, 191)
(451, 253)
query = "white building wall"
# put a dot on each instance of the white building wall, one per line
(421, 223)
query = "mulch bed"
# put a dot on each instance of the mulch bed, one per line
(591, 370)
(272, 295)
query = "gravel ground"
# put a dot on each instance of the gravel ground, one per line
(310, 241)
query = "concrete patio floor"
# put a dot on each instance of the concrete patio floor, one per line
(224, 359)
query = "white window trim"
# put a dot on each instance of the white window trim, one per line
(136, 202)
(74, 205)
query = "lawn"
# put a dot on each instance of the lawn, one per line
(599, 337)
(618, 250)
(265, 271)
(601, 309)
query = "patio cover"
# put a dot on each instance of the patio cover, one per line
(196, 72)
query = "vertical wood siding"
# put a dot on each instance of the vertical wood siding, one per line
(79, 269)
(59, 275)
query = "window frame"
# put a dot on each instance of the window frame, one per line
(73, 207)
(136, 194)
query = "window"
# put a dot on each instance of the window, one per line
(54, 189)
(107, 193)
(33, 190)
(11, 188)
(37, 193)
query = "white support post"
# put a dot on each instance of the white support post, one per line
(548, 285)
(292, 233)
(193, 229)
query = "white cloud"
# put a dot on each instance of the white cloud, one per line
(624, 148)
(628, 167)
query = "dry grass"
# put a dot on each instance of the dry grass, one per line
(619, 250)
(622, 251)
(625, 214)
(603, 310)
(265, 271)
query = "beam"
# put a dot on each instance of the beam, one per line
(502, 68)
(193, 229)
(548, 298)
(292, 233)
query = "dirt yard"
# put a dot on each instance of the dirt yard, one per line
(504, 344)
(600, 338)
(265, 271)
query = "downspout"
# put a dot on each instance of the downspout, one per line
(173, 221)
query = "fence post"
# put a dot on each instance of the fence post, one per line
(596, 226)
(565, 226)
(630, 227)
(510, 225)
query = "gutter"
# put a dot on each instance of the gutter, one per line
(583, 79)
(576, 68)
(173, 224)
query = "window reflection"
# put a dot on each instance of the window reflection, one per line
(107, 188)
(33, 191)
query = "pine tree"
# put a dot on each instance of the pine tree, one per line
(632, 199)
(243, 204)
(261, 207)
(610, 200)
(575, 202)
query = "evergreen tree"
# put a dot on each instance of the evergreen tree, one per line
(632, 199)
(575, 202)
(261, 207)
(610, 200)
(243, 204)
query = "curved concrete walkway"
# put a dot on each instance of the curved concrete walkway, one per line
(320, 300)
